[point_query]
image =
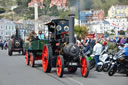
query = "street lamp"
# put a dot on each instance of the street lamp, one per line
(78, 4)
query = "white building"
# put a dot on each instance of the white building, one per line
(7, 28)
(118, 24)
(100, 27)
(108, 24)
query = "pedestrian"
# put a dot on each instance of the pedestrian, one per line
(97, 49)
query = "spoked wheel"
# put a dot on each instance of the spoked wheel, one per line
(72, 69)
(60, 66)
(99, 68)
(27, 58)
(85, 68)
(46, 59)
(32, 60)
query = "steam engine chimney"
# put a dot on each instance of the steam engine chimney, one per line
(71, 28)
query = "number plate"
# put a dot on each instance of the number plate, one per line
(74, 64)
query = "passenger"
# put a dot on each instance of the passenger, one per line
(40, 35)
(32, 36)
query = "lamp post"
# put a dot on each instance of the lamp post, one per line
(36, 4)
(79, 13)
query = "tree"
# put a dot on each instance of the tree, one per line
(81, 32)
(121, 32)
(2, 10)
(112, 31)
(106, 33)
(54, 11)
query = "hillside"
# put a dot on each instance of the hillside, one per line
(22, 11)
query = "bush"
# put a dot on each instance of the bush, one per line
(2, 10)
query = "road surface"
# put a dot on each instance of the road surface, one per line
(14, 71)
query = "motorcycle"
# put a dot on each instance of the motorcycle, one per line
(103, 59)
(111, 58)
(119, 63)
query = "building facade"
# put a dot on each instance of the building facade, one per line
(91, 16)
(7, 28)
(118, 11)
(110, 24)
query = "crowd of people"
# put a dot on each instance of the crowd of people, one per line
(97, 45)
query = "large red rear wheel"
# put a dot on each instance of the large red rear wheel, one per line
(32, 60)
(60, 66)
(46, 59)
(84, 66)
(27, 58)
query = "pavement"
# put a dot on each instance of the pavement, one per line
(14, 71)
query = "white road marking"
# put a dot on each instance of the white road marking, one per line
(76, 81)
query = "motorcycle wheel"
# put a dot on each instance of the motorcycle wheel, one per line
(106, 67)
(92, 63)
(99, 68)
(112, 71)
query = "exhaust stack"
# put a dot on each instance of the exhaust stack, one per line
(71, 28)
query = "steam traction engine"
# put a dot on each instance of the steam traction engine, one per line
(61, 51)
(15, 44)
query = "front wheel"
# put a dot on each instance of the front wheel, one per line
(92, 63)
(99, 68)
(112, 70)
(60, 66)
(85, 68)
(106, 67)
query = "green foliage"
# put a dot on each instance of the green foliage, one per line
(121, 32)
(2, 10)
(54, 11)
(64, 14)
(106, 33)
(81, 31)
(112, 31)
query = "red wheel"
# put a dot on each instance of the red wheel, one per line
(32, 60)
(60, 66)
(27, 58)
(46, 59)
(84, 67)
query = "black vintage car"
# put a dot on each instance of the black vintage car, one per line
(15, 44)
